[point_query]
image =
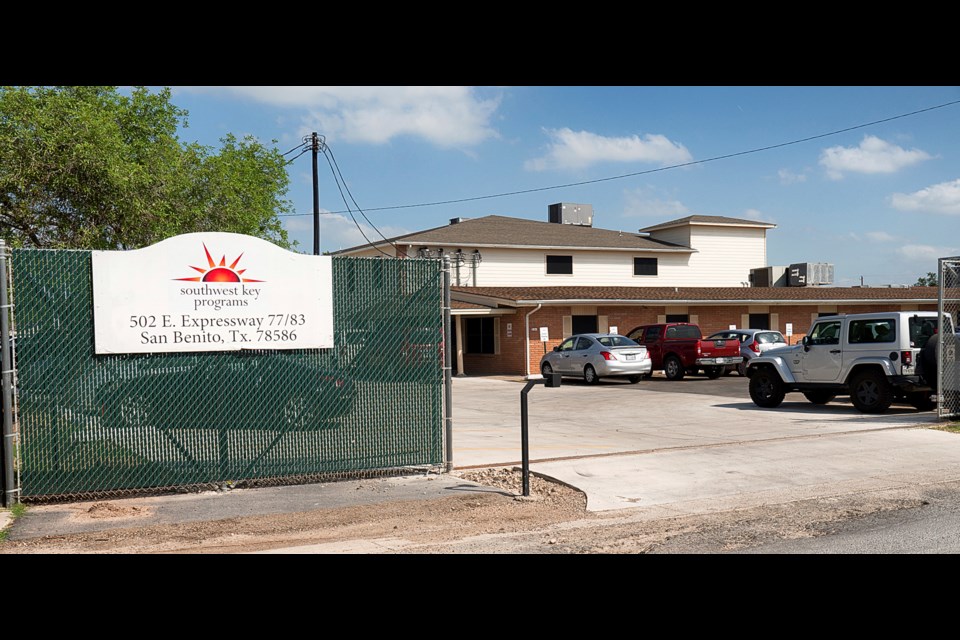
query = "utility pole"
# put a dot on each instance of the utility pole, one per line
(314, 148)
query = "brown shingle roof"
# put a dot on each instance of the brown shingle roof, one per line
(502, 231)
(703, 294)
(712, 220)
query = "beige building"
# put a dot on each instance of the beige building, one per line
(516, 281)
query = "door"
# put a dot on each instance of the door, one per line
(581, 354)
(651, 339)
(822, 359)
(561, 359)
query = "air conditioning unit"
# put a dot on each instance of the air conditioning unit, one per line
(569, 213)
(768, 277)
(808, 274)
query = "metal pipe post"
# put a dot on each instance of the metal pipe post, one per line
(525, 435)
(315, 147)
(447, 369)
(6, 367)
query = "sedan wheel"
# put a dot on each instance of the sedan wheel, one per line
(546, 369)
(590, 375)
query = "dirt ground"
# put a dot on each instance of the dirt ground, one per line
(553, 519)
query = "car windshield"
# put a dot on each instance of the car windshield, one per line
(617, 341)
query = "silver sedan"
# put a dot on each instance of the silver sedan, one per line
(598, 355)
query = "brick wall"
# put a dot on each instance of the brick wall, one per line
(510, 360)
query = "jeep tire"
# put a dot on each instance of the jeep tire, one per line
(766, 388)
(921, 401)
(870, 392)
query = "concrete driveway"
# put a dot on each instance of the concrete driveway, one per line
(696, 445)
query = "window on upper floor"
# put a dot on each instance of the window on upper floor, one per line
(559, 265)
(644, 266)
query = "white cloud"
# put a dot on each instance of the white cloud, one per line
(643, 202)
(444, 116)
(939, 198)
(759, 216)
(338, 231)
(925, 252)
(872, 156)
(789, 177)
(880, 236)
(579, 149)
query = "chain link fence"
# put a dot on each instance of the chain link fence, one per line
(93, 424)
(948, 355)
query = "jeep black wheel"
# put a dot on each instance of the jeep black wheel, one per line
(870, 392)
(819, 397)
(921, 401)
(672, 368)
(766, 388)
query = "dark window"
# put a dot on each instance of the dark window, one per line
(873, 331)
(683, 331)
(584, 324)
(480, 335)
(825, 333)
(560, 265)
(583, 343)
(760, 321)
(644, 266)
(652, 334)
(677, 317)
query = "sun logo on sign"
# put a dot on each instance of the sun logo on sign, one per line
(219, 272)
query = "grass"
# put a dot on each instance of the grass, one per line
(953, 427)
(16, 511)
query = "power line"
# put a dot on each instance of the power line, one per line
(647, 171)
(327, 149)
(342, 197)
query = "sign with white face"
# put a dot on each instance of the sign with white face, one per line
(614, 329)
(544, 334)
(789, 329)
(211, 292)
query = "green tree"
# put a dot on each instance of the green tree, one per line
(87, 167)
(929, 280)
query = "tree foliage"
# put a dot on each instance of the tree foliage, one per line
(929, 280)
(87, 167)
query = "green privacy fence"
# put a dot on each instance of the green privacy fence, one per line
(116, 423)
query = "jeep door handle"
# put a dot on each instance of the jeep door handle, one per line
(836, 351)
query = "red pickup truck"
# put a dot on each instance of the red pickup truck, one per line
(678, 348)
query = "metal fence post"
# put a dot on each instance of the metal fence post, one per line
(447, 369)
(6, 367)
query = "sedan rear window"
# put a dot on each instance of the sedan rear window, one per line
(770, 338)
(617, 341)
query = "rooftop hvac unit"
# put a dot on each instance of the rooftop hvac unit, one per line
(568, 213)
(768, 277)
(808, 274)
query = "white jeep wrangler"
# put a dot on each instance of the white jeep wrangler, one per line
(871, 356)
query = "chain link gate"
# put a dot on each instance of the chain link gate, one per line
(948, 349)
(96, 424)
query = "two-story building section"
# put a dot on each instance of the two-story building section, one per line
(516, 280)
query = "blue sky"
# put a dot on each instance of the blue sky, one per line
(880, 202)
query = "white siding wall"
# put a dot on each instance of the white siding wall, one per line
(724, 258)
(725, 255)
(528, 268)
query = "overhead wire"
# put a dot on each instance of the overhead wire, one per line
(327, 149)
(647, 171)
(352, 217)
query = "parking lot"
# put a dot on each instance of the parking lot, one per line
(695, 444)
